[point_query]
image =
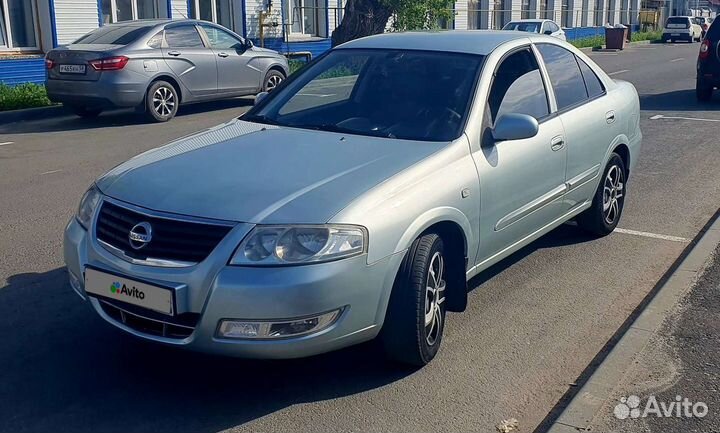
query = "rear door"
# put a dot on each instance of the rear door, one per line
(588, 118)
(236, 73)
(190, 60)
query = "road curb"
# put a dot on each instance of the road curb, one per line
(598, 388)
(32, 114)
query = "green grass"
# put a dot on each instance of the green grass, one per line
(26, 95)
(295, 65)
(599, 40)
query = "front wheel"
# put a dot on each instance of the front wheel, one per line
(415, 318)
(272, 80)
(161, 101)
(604, 214)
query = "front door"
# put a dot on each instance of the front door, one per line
(236, 73)
(522, 182)
(190, 60)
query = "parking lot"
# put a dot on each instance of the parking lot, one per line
(535, 322)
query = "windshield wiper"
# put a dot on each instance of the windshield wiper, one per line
(331, 127)
(261, 118)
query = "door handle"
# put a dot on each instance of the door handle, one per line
(557, 143)
(174, 53)
(610, 116)
(223, 55)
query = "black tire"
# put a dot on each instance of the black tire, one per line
(604, 214)
(85, 112)
(272, 80)
(161, 101)
(703, 90)
(406, 337)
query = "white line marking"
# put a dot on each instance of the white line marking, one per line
(677, 60)
(50, 172)
(7, 142)
(618, 72)
(660, 116)
(652, 235)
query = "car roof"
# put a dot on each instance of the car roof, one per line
(481, 42)
(529, 20)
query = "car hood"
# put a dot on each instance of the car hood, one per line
(257, 173)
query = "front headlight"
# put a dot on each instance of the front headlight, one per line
(87, 207)
(290, 245)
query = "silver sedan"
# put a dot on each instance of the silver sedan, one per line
(356, 200)
(156, 65)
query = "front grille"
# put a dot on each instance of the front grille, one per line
(183, 328)
(172, 239)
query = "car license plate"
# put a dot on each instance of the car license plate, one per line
(131, 291)
(72, 69)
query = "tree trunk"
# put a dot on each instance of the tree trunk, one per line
(361, 18)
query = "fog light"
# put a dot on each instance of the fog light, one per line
(283, 329)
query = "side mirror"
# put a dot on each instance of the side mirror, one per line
(513, 126)
(548, 32)
(248, 44)
(260, 96)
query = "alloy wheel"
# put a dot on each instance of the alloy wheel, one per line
(434, 299)
(613, 194)
(163, 101)
(272, 82)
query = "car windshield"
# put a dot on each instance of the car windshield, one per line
(113, 35)
(406, 94)
(523, 27)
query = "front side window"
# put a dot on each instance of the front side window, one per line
(220, 39)
(17, 24)
(115, 11)
(565, 76)
(404, 94)
(518, 88)
(183, 37)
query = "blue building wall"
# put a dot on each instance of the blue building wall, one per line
(25, 70)
(588, 32)
(315, 47)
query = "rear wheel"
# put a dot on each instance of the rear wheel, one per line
(85, 112)
(161, 101)
(604, 214)
(415, 318)
(703, 90)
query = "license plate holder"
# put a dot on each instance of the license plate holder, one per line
(119, 288)
(71, 69)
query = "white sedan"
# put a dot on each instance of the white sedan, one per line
(543, 27)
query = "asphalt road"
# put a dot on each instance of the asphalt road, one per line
(533, 324)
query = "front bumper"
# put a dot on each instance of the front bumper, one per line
(214, 291)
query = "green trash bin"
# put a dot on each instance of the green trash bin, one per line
(615, 38)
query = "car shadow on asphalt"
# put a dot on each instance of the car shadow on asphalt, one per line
(678, 100)
(66, 121)
(65, 369)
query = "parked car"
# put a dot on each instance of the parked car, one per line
(704, 23)
(157, 65)
(356, 200)
(708, 65)
(545, 27)
(681, 28)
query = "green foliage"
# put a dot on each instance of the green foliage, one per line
(646, 36)
(26, 95)
(295, 65)
(419, 14)
(594, 41)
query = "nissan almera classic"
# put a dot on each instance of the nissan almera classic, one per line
(356, 200)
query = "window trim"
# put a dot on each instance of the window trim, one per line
(529, 47)
(9, 46)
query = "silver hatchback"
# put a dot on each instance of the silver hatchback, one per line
(157, 65)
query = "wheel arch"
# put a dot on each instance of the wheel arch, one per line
(175, 83)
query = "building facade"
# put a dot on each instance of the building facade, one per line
(30, 28)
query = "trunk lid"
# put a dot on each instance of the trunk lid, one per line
(72, 62)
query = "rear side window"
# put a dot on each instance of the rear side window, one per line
(565, 75)
(113, 35)
(592, 82)
(183, 37)
(518, 88)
